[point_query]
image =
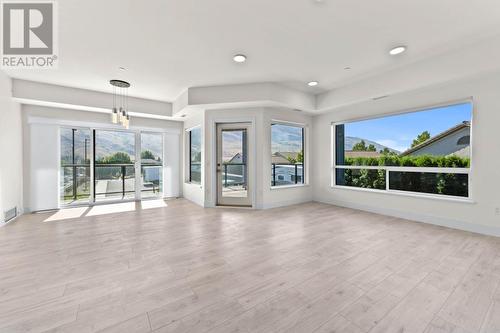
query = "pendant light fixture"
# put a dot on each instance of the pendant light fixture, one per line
(119, 112)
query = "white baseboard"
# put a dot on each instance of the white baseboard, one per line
(440, 221)
(284, 203)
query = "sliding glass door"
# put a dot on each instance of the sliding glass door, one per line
(76, 152)
(114, 165)
(110, 165)
(151, 165)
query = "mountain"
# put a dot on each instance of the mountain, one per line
(107, 143)
(350, 141)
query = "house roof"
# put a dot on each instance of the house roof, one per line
(362, 153)
(282, 157)
(236, 156)
(437, 138)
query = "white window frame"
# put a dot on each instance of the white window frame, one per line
(305, 164)
(388, 169)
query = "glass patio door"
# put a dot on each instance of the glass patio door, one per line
(75, 175)
(99, 165)
(114, 165)
(233, 173)
(151, 165)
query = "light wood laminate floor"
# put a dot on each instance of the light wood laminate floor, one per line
(305, 268)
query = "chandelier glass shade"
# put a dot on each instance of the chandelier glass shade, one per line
(119, 112)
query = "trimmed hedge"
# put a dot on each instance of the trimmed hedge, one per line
(436, 183)
(411, 161)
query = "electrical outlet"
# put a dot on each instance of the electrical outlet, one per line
(497, 211)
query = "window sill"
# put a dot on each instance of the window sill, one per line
(408, 194)
(288, 186)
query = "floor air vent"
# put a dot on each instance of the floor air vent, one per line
(10, 214)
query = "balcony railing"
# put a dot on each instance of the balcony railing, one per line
(76, 182)
(287, 174)
(234, 174)
(112, 180)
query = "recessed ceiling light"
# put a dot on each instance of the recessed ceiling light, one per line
(312, 83)
(397, 50)
(240, 58)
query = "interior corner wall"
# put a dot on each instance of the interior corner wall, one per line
(11, 150)
(264, 195)
(479, 216)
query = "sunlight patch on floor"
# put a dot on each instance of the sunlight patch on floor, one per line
(112, 208)
(67, 213)
(149, 204)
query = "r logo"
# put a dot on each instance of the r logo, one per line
(28, 28)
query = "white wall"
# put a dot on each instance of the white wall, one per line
(11, 149)
(41, 150)
(480, 215)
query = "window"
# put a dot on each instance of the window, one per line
(465, 140)
(194, 137)
(426, 151)
(287, 154)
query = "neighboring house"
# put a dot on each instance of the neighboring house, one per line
(234, 174)
(454, 141)
(283, 171)
(361, 153)
(283, 156)
(238, 158)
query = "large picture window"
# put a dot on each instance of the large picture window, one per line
(194, 137)
(287, 154)
(425, 152)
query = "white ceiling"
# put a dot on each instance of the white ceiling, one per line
(168, 46)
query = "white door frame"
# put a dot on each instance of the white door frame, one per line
(251, 152)
(234, 201)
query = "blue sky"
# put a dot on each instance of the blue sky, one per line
(232, 143)
(398, 132)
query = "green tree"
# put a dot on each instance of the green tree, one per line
(360, 146)
(388, 152)
(300, 157)
(116, 158)
(147, 155)
(371, 147)
(422, 137)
